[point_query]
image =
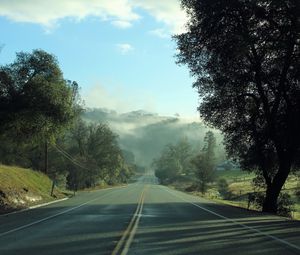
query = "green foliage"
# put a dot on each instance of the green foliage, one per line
(285, 205)
(245, 58)
(97, 150)
(204, 163)
(37, 107)
(223, 188)
(297, 192)
(204, 171)
(173, 161)
(35, 100)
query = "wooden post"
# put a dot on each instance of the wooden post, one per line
(46, 157)
(52, 188)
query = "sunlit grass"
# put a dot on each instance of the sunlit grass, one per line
(20, 187)
(240, 184)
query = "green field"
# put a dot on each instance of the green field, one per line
(240, 184)
(21, 188)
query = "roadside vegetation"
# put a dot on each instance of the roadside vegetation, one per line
(21, 188)
(41, 128)
(233, 187)
(182, 167)
(244, 56)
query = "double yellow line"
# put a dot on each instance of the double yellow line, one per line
(128, 235)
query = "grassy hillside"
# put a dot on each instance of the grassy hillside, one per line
(21, 188)
(240, 184)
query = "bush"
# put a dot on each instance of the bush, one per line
(257, 199)
(191, 188)
(297, 192)
(285, 205)
(223, 188)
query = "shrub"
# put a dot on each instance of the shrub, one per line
(223, 188)
(285, 205)
(297, 191)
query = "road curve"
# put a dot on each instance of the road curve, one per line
(145, 218)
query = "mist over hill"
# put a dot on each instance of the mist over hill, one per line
(145, 134)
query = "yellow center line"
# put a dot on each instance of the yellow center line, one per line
(132, 227)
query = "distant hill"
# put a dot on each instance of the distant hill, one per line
(145, 134)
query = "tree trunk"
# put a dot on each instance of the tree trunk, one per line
(274, 188)
(270, 202)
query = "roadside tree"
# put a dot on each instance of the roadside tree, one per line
(245, 56)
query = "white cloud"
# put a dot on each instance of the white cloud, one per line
(124, 12)
(160, 32)
(168, 12)
(121, 24)
(124, 48)
(47, 13)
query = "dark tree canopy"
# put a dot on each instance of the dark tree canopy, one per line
(35, 99)
(245, 55)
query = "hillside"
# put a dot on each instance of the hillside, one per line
(240, 184)
(21, 188)
(145, 134)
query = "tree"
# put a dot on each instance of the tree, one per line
(204, 162)
(173, 161)
(35, 100)
(245, 57)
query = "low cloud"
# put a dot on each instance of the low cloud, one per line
(117, 98)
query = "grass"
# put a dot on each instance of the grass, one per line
(240, 184)
(21, 188)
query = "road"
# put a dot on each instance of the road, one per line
(145, 218)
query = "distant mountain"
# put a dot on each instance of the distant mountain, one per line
(145, 134)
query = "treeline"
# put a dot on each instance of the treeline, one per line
(41, 126)
(180, 160)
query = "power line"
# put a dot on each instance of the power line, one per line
(69, 157)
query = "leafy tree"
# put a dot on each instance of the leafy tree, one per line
(173, 161)
(245, 57)
(35, 100)
(204, 162)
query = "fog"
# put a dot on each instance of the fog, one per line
(145, 134)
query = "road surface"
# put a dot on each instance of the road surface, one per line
(145, 218)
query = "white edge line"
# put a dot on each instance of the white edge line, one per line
(34, 206)
(51, 216)
(49, 203)
(52, 202)
(238, 223)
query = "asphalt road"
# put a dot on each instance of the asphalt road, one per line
(145, 218)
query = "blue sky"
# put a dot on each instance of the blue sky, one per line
(119, 51)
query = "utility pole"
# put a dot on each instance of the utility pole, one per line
(46, 157)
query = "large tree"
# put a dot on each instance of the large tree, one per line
(35, 99)
(245, 55)
(36, 102)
